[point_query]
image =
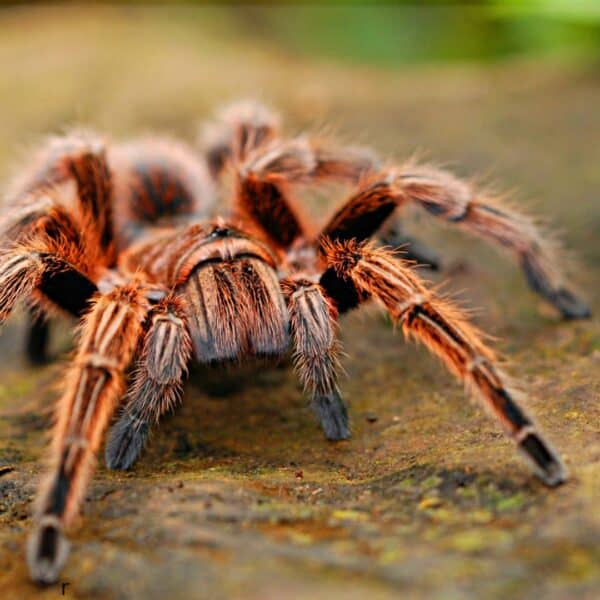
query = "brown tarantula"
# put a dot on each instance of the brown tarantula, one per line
(125, 238)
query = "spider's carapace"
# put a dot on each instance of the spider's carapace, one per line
(129, 238)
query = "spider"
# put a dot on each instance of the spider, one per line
(127, 238)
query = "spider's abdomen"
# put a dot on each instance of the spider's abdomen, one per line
(155, 192)
(157, 180)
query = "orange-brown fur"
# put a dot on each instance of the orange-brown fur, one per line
(433, 321)
(94, 384)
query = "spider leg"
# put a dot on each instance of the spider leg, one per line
(48, 267)
(156, 386)
(313, 320)
(266, 177)
(249, 128)
(78, 159)
(445, 331)
(109, 335)
(444, 196)
(89, 169)
(238, 129)
(24, 272)
(48, 219)
(246, 137)
(263, 190)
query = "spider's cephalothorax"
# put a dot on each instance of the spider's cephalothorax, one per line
(128, 238)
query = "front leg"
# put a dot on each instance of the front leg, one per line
(156, 386)
(110, 333)
(312, 318)
(446, 332)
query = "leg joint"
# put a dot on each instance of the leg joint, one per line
(415, 301)
(96, 360)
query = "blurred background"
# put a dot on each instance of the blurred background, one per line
(241, 497)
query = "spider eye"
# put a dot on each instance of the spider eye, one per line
(220, 232)
(155, 296)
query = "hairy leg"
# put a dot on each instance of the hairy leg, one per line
(313, 321)
(248, 128)
(443, 195)
(238, 129)
(263, 193)
(445, 331)
(46, 264)
(266, 178)
(49, 251)
(109, 335)
(156, 386)
(24, 273)
(245, 136)
(79, 159)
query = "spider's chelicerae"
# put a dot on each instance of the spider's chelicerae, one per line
(127, 238)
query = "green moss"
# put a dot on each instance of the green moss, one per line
(511, 503)
(477, 540)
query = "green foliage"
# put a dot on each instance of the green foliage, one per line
(427, 32)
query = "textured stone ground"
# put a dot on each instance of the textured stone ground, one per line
(239, 495)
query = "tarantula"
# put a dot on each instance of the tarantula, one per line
(124, 236)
